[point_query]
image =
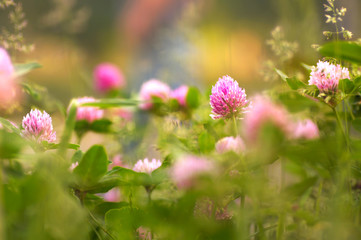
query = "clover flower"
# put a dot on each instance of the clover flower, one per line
(180, 94)
(264, 111)
(230, 144)
(38, 126)
(107, 77)
(113, 195)
(326, 76)
(6, 67)
(147, 166)
(227, 99)
(153, 88)
(306, 129)
(187, 168)
(89, 114)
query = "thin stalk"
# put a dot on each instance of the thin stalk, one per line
(100, 225)
(264, 229)
(341, 127)
(280, 229)
(235, 126)
(320, 187)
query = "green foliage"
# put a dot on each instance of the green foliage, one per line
(346, 51)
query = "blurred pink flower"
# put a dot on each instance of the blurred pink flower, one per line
(264, 111)
(9, 90)
(89, 114)
(326, 76)
(6, 67)
(147, 166)
(180, 94)
(230, 144)
(117, 161)
(38, 126)
(187, 168)
(144, 233)
(73, 166)
(107, 77)
(113, 195)
(306, 129)
(227, 99)
(153, 88)
(125, 113)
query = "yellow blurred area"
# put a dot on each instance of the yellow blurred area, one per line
(237, 53)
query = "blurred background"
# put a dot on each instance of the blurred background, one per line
(190, 42)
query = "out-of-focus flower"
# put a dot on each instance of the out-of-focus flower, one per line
(230, 144)
(306, 129)
(107, 77)
(117, 161)
(264, 111)
(228, 99)
(153, 88)
(6, 67)
(144, 233)
(187, 168)
(9, 90)
(180, 94)
(38, 126)
(147, 166)
(113, 195)
(89, 114)
(326, 76)
(73, 166)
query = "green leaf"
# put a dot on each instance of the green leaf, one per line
(111, 103)
(281, 74)
(298, 189)
(10, 144)
(307, 67)
(22, 69)
(8, 125)
(346, 85)
(193, 97)
(123, 222)
(295, 84)
(57, 145)
(93, 166)
(127, 176)
(357, 83)
(342, 50)
(101, 125)
(206, 142)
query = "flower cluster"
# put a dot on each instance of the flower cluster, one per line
(187, 168)
(89, 114)
(228, 99)
(180, 94)
(153, 88)
(230, 144)
(38, 126)
(326, 76)
(147, 166)
(107, 77)
(264, 111)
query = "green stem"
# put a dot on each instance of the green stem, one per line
(341, 127)
(100, 226)
(318, 198)
(235, 126)
(280, 229)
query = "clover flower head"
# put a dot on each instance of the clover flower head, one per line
(6, 67)
(227, 144)
(187, 168)
(113, 195)
(265, 111)
(89, 114)
(153, 88)
(228, 99)
(180, 94)
(38, 126)
(107, 77)
(147, 166)
(306, 129)
(326, 76)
